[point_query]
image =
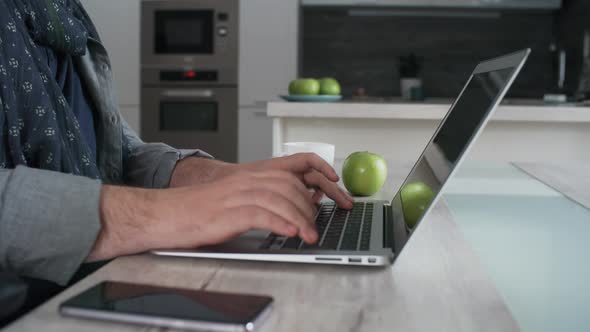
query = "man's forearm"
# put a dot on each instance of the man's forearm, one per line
(129, 215)
(194, 171)
(126, 214)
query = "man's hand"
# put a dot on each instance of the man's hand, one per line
(136, 220)
(211, 202)
(313, 171)
(309, 168)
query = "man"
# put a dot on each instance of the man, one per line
(77, 184)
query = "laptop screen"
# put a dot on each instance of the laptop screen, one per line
(445, 150)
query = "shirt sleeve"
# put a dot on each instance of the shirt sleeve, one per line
(150, 165)
(49, 222)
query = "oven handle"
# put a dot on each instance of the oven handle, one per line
(188, 93)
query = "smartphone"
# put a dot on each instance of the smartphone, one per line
(193, 310)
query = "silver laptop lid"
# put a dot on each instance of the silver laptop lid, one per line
(457, 132)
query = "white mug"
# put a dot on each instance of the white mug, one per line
(324, 150)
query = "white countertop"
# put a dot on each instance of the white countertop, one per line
(424, 111)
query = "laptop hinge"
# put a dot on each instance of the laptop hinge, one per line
(387, 226)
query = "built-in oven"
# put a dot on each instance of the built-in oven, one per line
(187, 33)
(189, 94)
(192, 117)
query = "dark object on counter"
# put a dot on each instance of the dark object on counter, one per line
(583, 92)
(559, 68)
(409, 69)
(557, 93)
(417, 94)
(410, 66)
(360, 93)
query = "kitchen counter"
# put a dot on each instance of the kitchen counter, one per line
(524, 131)
(521, 111)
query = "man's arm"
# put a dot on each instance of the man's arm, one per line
(48, 222)
(150, 165)
(157, 165)
(135, 220)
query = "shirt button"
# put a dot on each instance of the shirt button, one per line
(113, 119)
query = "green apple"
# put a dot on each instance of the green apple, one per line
(364, 173)
(304, 86)
(416, 198)
(329, 86)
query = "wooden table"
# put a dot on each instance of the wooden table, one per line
(437, 284)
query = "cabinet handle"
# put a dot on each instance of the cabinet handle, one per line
(256, 104)
(199, 93)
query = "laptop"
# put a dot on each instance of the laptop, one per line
(374, 232)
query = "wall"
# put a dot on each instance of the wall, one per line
(117, 22)
(362, 51)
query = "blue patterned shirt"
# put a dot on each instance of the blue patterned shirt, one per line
(66, 74)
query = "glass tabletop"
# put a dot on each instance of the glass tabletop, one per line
(533, 241)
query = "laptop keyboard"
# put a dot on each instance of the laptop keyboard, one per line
(338, 229)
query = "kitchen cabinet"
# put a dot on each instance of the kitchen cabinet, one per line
(117, 22)
(268, 48)
(254, 134)
(268, 59)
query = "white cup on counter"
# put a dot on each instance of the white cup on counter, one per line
(324, 150)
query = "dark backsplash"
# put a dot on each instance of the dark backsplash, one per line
(573, 20)
(363, 51)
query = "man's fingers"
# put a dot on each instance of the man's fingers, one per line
(313, 161)
(285, 178)
(282, 206)
(300, 197)
(321, 175)
(259, 218)
(316, 179)
(317, 196)
(305, 162)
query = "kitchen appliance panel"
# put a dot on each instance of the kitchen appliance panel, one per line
(164, 75)
(196, 34)
(192, 117)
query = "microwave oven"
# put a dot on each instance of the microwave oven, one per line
(191, 35)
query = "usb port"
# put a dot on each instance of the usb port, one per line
(355, 260)
(373, 260)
